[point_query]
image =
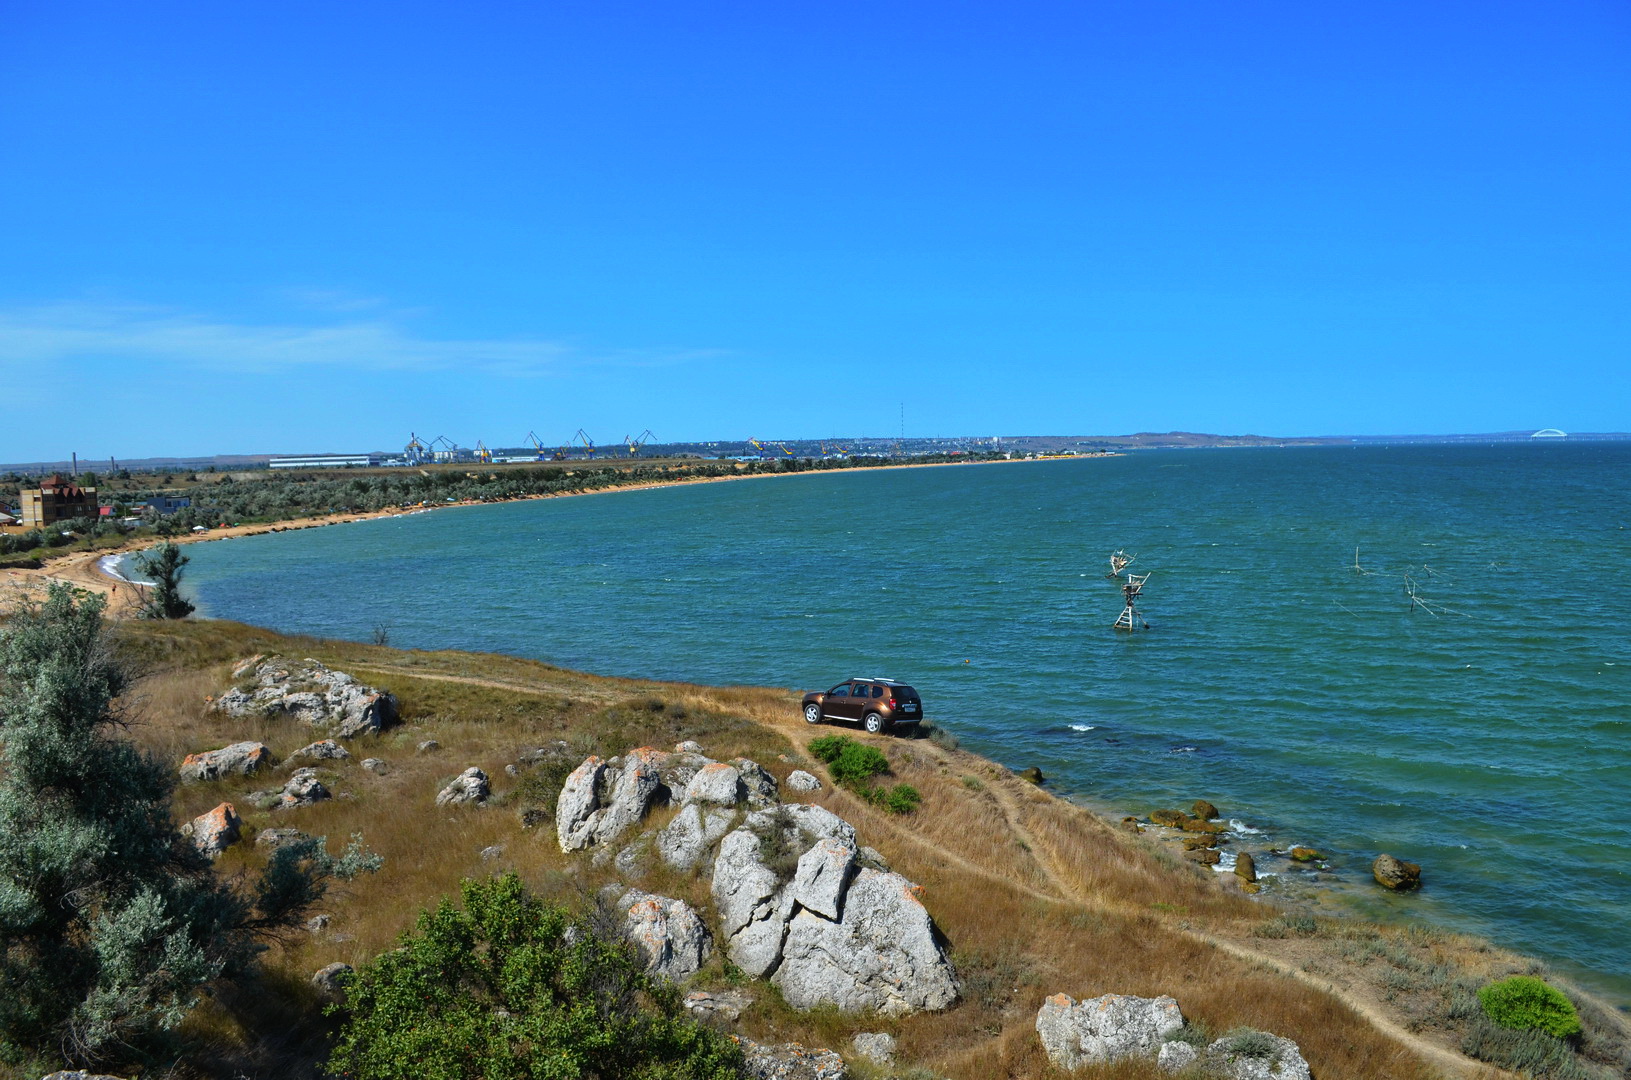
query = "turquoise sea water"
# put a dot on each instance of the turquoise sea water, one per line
(1488, 739)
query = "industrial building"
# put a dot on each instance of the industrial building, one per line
(56, 500)
(325, 461)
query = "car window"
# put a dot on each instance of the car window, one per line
(905, 692)
(877, 691)
(862, 690)
(841, 690)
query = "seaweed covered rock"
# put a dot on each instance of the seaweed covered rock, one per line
(1395, 874)
(307, 691)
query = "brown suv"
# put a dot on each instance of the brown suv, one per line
(879, 704)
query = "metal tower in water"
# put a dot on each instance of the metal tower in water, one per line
(1130, 619)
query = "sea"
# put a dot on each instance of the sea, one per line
(1420, 650)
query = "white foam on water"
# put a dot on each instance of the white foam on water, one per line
(1084, 727)
(1225, 863)
(1182, 750)
(113, 566)
(1236, 825)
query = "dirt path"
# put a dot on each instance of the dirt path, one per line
(1445, 1058)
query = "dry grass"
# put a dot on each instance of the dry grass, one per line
(1036, 896)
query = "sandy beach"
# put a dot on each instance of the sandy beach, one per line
(82, 569)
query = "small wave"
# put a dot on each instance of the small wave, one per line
(1236, 825)
(1084, 727)
(1183, 750)
(113, 566)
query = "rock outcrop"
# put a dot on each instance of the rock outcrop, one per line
(330, 981)
(685, 841)
(790, 1061)
(214, 832)
(1176, 1056)
(601, 800)
(859, 939)
(470, 786)
(307, 691)
(323, 750)
(239, 759)
(668, 933)
(799, 780)
(877, 1047)
(303, 789)
(1395, 874)
(723, 1005)
(1105, 1029)
(1255, 1055)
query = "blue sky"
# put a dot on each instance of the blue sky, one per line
(300, 227)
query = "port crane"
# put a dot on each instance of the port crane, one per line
(537, 445)
(415, 451)
(638, 441)
(583, 440)
(766, 449)
(483, 455)
(450, 451)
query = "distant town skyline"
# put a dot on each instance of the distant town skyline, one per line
(311, 227)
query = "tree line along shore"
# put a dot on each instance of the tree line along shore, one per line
(1030, 896)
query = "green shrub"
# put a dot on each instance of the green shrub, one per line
(828, 747)
(1525, 1003)
(1246, 1042)
(514, 988)
(900, 799)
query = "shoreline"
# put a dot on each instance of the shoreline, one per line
(85, 569)
(1342, 895)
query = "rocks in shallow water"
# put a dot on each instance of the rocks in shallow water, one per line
(239, 759)
(1204, 810)
(668, 933)
(1104, 1029)
(1130, 824)
(799, 780)
(1255, 1055)
(877, 1047)
(1246, 868)
(1204, 840)
(1196, 825)
(1170, 818)
(308, 691)
(1305, 854)
(790, 1061)
(1203, 855)
(1395, 874)
(214, 832)
(1032, 775)
(470, 786)
(325, 750)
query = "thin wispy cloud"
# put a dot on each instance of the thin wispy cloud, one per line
(73, 331)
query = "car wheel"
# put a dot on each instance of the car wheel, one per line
(812, 714)
(874, 722)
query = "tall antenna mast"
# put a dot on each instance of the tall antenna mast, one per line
(1130, 619)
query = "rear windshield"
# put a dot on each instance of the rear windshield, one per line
(903, 691)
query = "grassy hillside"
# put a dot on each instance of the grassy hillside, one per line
(1036, 896)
